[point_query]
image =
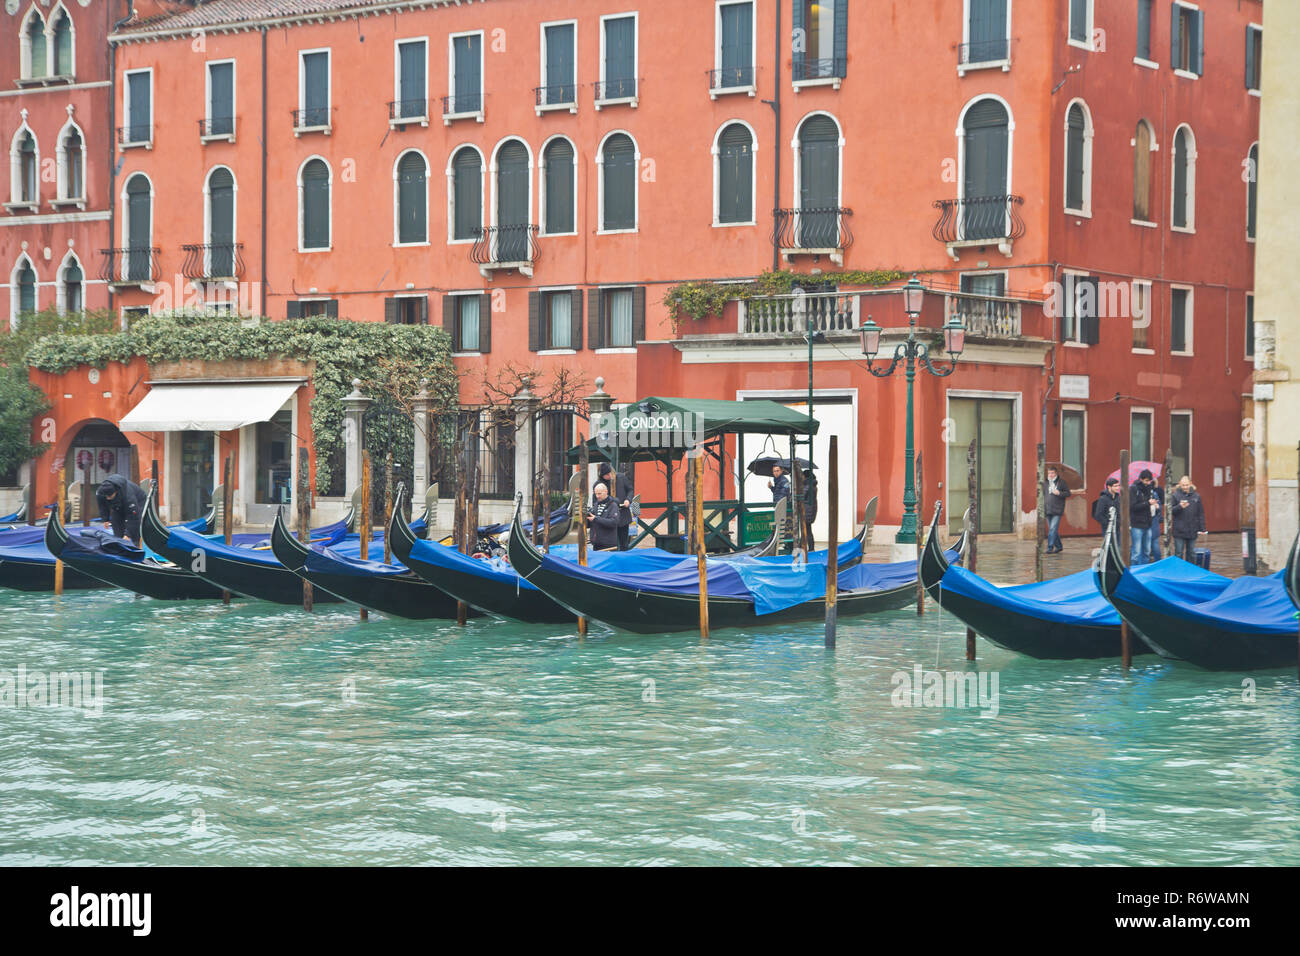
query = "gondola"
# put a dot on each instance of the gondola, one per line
(27, 565)
(1188, 613)
(389, 589)
(118, 563)
(741, 593)
(247, 571)
(1062, 619)
(490, 586)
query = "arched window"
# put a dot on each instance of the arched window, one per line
(71, 289)
(735, 158)
(25, 286)
(221, 223)
(1078, 159)
(819, 183)
(986, 131)
(1184, 185)
(33, 50)
(1252, 189)
(315, 192)
(618, 183)
(26, 166)
(72, 165)
(513, 202)
(412, 198)
(1143, 141)
(62, 47)
(558, 183)
(466, 193)
(139, 228)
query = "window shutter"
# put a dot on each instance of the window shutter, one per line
(799, 36)
(332, 309)
(485, 323)
(449, 321)
(1250, 58)
(1090, 316)
(595, 320)
(534, 322)
(1198, 48)
(638, 314)
(841, 38)
(1176, 37)
(390, 311)
(424, 310)
(293, 309)
(575, 316)
(1074, 147)
(1144, 29)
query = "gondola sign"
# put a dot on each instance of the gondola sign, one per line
(632, 428)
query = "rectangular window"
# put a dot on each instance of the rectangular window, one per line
(1144, 29)
(221, 99)
(467, 323)
(620, 319)
(133, 312)
(139, 107)
(1180, 321)
(1080, 15)
(559, 320)
(1141, 315)
(1250, 327)
(820, 39)
(1073, 438)
(1139, 436)
(1080, 311)
(984, 283)
(466, 74)
(618, 69)
(412, 90)
(406, 310)
(308, 308)
(1254, 52)
(735, 45)
(314, 92)
(986, 32)
(1180, 444)
(274, 464)
(559, 70)
(1187, 39)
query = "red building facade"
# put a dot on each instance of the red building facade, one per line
(537, 179)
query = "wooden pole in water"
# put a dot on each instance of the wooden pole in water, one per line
(1124, 531)
(542, 516)
(920, 537)
(582, 516)
(459, 536)
(832, 544)
(388, 507)
(304, 518)
(1042, 513)
(1164, 510)
(85, 496)
(62, 500)
(973, 498)
(1125, 644)
(698, 514)
(796, 493)
(227, 521)
(364, 524)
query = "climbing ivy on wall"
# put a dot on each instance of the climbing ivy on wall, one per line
(700, 300)
(341, 350)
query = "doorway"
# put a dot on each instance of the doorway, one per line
(991, 422)
(196, 474)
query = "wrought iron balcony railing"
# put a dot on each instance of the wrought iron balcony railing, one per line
(462, 104)
(500, 247)
(213, 260)
(813, 229)
(731, 78)
(215, 126)
(607, 90)
(811, 68)
(984, 316)
(311, 118)
(136, 134)
(793, 315)
(984, 51)
(992, 219)
(558, 94)
(412, 110)
(129, 265)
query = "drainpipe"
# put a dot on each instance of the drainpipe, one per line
(262, 277)
(775, 103)
(112, 130)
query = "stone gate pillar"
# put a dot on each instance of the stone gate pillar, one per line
(525, 404)
(354, 410)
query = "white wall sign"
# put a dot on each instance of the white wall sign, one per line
(1074, 386)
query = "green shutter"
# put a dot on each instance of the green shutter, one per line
(332, 309)
(559, 187)
(1180, 178)
(1074, 151)
(1198, 46)
(468, 188)
(391, 315)
(293, 309)
(485, 323)
(638, 314)
(316, 205)
(1079, 21)
(534, 322)
(1144, 30)
(411, 199)
(841, 44)
(619, 171)
(595, 320)
(575, 317)
(735, 174)
(449, 321)
(799, 41)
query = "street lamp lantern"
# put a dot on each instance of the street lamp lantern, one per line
(870, 339)
(913, 296)
(954, 338)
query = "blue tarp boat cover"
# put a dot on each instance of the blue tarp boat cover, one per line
(1246, 605)
(28, 544)
(1073, 599)
(186, 539)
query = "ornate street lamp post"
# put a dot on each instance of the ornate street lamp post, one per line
(954, 341)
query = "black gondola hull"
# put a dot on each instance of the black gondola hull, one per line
(158, 581)
(21, 575)
(1205, 645)
(489, 596)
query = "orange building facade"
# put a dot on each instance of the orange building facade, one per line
(1072, 179)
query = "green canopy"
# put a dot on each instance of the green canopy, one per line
(658, 428)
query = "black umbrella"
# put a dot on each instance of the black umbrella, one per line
(763, 466)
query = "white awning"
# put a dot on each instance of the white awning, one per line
(178, 407)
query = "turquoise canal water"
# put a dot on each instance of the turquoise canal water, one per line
(258, 735)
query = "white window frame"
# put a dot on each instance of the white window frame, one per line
(302, 206)
(451, 193)
(1247, 321)
(457, 296)
(25, 44)
(544, 310)
(146, 284)
(60, 283)
(797, 166)
(397, 198)
(541, 80)
(1004, 246)
(1082, 410)
(234, 214)
(397, 82)
(1003, 64)
(1189, 324)
(207, 99)
(600, 186)
(541, 187)
(1091, 27)
(494, 211)
(1182, 70)
(1086, 211)
(15, 296)
(122, 313)
(605, 291)
(716, 152)
(328, 127)
(1147, 302)
(832, 81)
(1254, 171)
(1150, 413)
(50, 44)
(1257, 90)
(476, 115)
(1190, 228)
(16, 201)
(129, 120)
(1070, 300)
(1155, 148)
(1150, 64)
(750, 89)
(631, 101)
(1191, 436)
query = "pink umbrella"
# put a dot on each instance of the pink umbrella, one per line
(1135, 468)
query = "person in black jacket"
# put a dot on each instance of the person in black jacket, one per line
(1055, 491)
(779, 484)
(1143, 508)
(620, 489)
(604, 519)
(1107, 500)
(121, 503)
(809, 506)
(1187, 516)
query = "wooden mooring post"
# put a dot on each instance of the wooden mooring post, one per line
(1040, 524)
(388, 507)
(227, 520)
(1125, 642)
(696, 473)
(583, 461)
(832, 544)
(61, 503)
(920, 537)
(304, 517)
(364, 519)
(85, 496)
(972, 542)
